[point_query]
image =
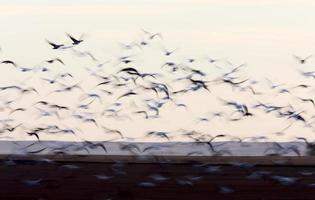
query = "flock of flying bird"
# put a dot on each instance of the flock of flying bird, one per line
(128, 85)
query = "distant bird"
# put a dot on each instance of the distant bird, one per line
(74, 40)
(71, 167)
(170, 64)
(198, 84)
(302, 86)
(310, 146)
(147, 184)
(69, 88)
(25, 69)
(37, 151)
(58, 107)
(50, 81)
(307, 100)
(241, 108)
(169, 52)
(211, 60)
(152, 35)
(18, 88)
(285, 180)
(184, 182)
(226, 190)
(103, 177)
(161, 134)
(155, 147)
(129, 45)
(11, 129)
(308, 74)
(32, 182)
(103, 83)
(55, 60)
(209, 143)
(55, 46)
(191, 60)
(234, 70)
(302, 60)
(159, 177)
(9, 62)
(130, 93)
(126, 61)
(94, 145)
(143, 112)
(130, 147)
(93, 96)
(108, 130)
(84, 54)
(297, 116)
(232, 83)
(17, 110)
(143, 43)
(34, 133)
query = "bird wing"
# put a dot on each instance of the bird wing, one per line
(72, 38)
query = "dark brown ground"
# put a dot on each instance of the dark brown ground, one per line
(59, 182)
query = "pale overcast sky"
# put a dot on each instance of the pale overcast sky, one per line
(259, 32)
